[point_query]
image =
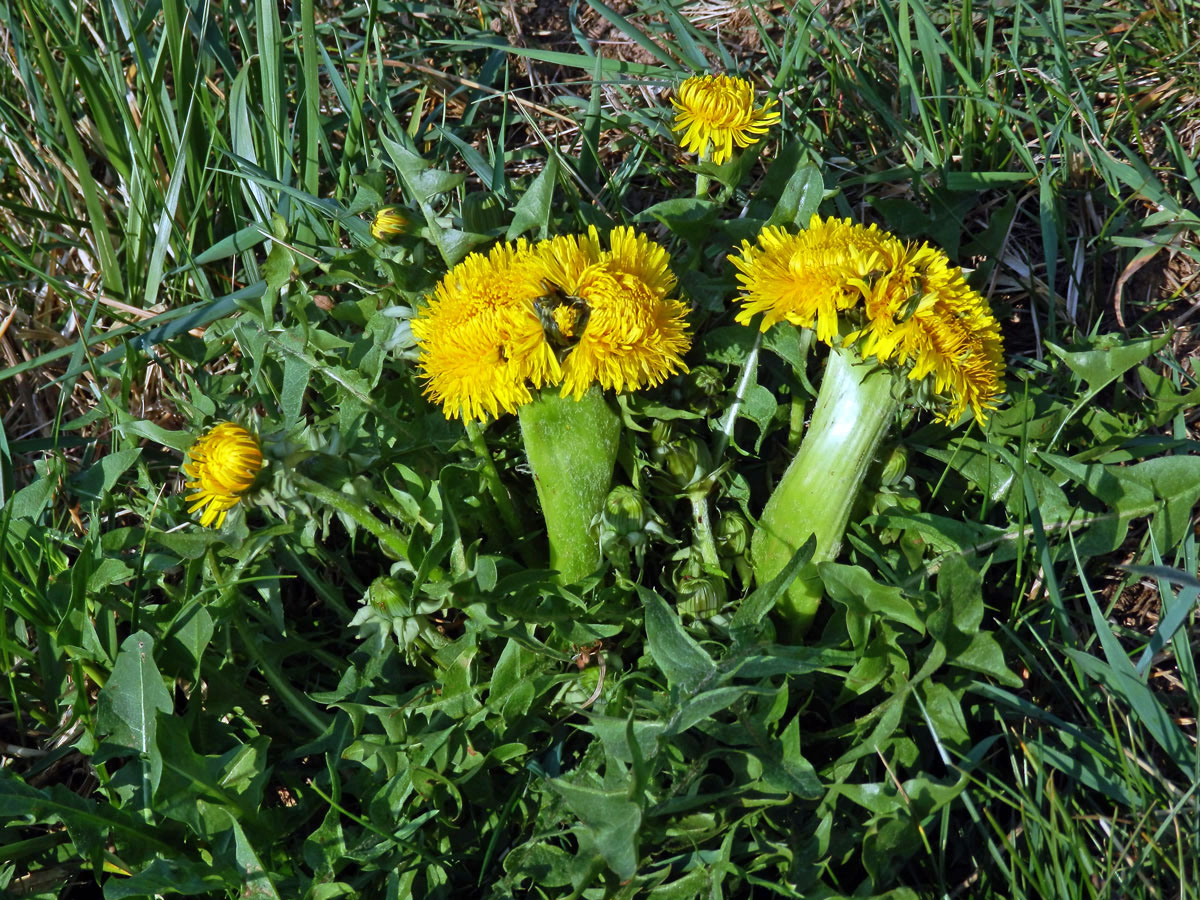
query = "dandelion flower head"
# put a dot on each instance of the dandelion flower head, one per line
(921, 315)
(902, 304)
(222, 465)
(389, 221)
(719, 110)
(481, 342)
(565, 312)
(626, 332)
(810, 277)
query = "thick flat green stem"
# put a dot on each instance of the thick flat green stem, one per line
(855, 405)
(572, 447)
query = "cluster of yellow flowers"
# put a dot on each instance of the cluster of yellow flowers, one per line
(564, 312)
(899, 303)
(568, 313)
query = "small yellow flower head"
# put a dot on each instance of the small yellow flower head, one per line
(481, 342)
(222, 466)
(625, 333)
(902, 304)
(719, 110)
(389, 221)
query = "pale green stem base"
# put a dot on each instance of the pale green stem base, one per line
(572, 448)
(855, 406)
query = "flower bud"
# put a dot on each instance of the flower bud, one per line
(733, 534)
(387, 595)
(894, 466)
(389, 222)
(625, 512)
(697, 591)
(705, 389)
(627, 523)
(482, 213)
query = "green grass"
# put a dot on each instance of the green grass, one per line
(368, 684)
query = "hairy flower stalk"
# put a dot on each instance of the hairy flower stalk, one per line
(501, 331)
(901, 323)
(571, 446)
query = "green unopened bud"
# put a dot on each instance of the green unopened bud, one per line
(661, 434)
(698, 592)
(702, 597)
(894, 466)
(733, 534)
(706, 389)
(681, 459)
(387, 595)
(627, 524)
(482, 212)
(625, 512)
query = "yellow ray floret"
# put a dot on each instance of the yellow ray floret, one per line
(222, 465)
(902, 304)
(719, 110)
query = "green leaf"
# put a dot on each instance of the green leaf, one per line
(1143, 703)
(1111, 358)
(611, 817)
(801, 197)
(755, 607)
(176, 440)
(854, 588)
(170, 875)
(697, 709)
(29, 501)
(132, 696)
(96, 481)
(676, 652)
(533, 209)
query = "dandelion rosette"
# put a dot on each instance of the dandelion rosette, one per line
(389, 221)
(719, 110)
(627, 334)
(222, 465)
(900, 303)
(565, 312)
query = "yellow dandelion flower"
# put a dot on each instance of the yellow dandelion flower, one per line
(389, 221)
(810, 277)
(623, 331)
(902, 304)
(920, 314)
(480, 341)
(719, 110)
(222, 466)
